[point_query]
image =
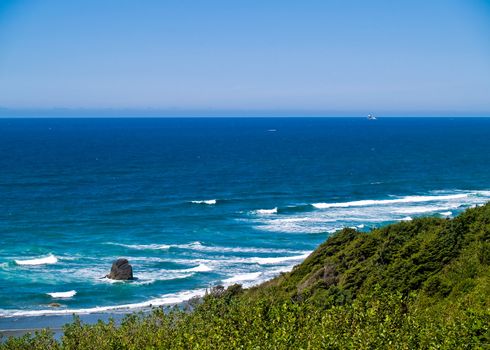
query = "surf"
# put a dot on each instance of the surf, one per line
(50, 259)
(63, 295)
(373, 202)
(206, 201)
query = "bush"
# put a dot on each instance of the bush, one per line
(415, 285)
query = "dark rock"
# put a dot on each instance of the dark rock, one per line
(121, 270)
(54, 305)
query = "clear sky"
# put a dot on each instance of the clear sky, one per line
(246, 55)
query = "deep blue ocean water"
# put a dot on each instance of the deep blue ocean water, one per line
(197, 202)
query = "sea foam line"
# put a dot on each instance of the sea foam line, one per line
(407, 199)
(166, 299)
(198, 246)
(63, 295)
(207, 201)
(334, 216)
(250, 279)
(199, 268)
(243, 277)
(220, 249)
(142, 246)
(50, 259)
(278, 260)
(265, 211)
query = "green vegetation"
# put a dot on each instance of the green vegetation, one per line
(423, 284)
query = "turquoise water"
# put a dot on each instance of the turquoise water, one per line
(197, 202)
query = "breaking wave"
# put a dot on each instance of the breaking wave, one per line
(407, 199)
(50, 259)
(243, 277)
(142, 246)
(278, 260)
(63, 295)
(198, 246)
(207, 201)
(200, 268)
(166, 299)
(328, 217)
(265, 211)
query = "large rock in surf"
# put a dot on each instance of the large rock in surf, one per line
(121, 270)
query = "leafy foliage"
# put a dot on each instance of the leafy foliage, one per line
(421, 284)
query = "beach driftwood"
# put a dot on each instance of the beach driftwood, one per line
(121, 270)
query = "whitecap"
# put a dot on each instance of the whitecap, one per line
(421, 209)
(68, 294)
(483, 193)
(50, 259)
(407, 199)
(243, 277)
(166, 299)
(207, 201)
(446, 213)
(334, 216)
(142, 246)
(265, 211)
(406, 218)
(302, 224)
(200, 268)
(149, 277)
(278, 260)
(198, 246)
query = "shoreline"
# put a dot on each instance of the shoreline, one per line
(21, 322)
(19, 326)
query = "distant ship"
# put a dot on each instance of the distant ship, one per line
(371, 117)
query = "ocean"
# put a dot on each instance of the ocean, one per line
(197, 202)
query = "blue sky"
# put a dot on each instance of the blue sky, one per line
(244, 55)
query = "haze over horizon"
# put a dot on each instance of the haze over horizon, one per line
(245, 57)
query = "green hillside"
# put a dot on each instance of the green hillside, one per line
(419, 284)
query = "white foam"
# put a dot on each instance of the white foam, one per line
(200, 268)
(149, 277)
(243, 277)
(207, 201)
(50, 259)
(265, 211)
(278, 260)
(68, 294)
(111, 281)
(166, 299)
(406, 218)
(446, 213)
(142, 246)
(417, 210)
(198, 246)
(483, 193)
(145, 274)
(297, 223)
(407, 199)
(335, 216)
(422, 209)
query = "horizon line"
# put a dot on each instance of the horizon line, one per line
(65, 112)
